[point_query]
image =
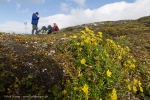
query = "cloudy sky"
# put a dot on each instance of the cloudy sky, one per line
(14, 13)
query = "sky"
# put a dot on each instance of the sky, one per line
(66, 13)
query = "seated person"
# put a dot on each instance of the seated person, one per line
(43, 29)
(55, 27)
(50, 29)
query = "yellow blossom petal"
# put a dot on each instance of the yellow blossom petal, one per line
(85, 90)
(134, 89)
(135, 81)
(64, 35)
(141, 89)
(108, 73)
(64, 91)
(75, 88)
(139, 83)
(129, 87)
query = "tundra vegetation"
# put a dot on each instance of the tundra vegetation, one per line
(107, 60)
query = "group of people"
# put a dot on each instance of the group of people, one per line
(34, 23)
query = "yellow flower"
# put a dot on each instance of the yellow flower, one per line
(100, 34)
(68, 81)
(135, 81)
(82, 36)
(87, 29)
(87, 40)
(139, 83)
(132, 66)
(85, 90)
(64, 35)
(73, 37)
(134, 89)
(75, 88)
(95, 43)
(129, 87)
(80, 49)
(83, 32)
(113, 95)
(83, 61)
(126, 80)
(78, 43)
(108, 73)
(82, 43)
(127, 49)
(79, 73)
(141, 89)
(64, 91)
(119, 57)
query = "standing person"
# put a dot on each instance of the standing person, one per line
(34, 22)
(55, 27)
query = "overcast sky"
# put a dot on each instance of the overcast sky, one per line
(14, 13)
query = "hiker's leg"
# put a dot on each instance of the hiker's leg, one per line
(32, 29)
(36, 28)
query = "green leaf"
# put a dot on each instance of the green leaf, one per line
(49, 90)
(30, 75)
(16, 85)
(146, 98)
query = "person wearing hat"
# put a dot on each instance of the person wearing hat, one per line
(34, 22)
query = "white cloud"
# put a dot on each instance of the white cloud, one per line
(114, 11)
(10, 26)
(80, 2)
(25, 11)
(64, 7)
(18, 5)
(18, 9)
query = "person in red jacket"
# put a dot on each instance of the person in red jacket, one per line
(55, 27)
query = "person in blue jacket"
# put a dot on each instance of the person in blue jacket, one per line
(34, 22)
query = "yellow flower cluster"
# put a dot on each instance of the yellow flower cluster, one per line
(129, 63)
(91, 50)
(123, 36)
(113, 95)
(135, 85)
(88, 37)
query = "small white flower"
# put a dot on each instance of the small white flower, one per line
(35, 42)
(44, 70)
(52, 42)
(51, 52)
(62, 38)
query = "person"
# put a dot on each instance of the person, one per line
(50, 29)
(44, 29)
(34, 22)
(55, 27)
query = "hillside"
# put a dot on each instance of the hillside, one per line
(37, 65)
